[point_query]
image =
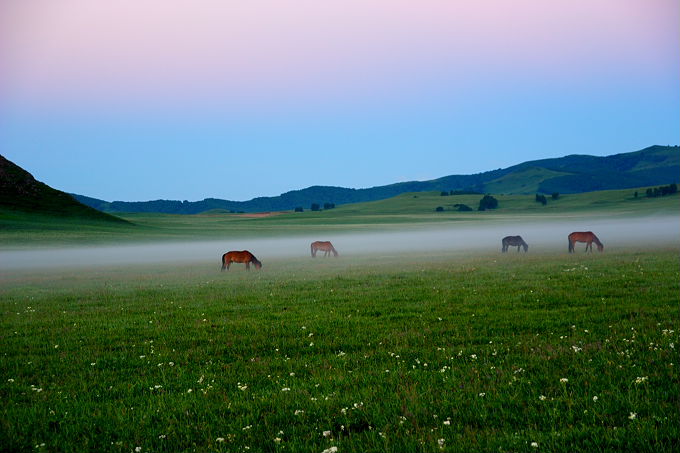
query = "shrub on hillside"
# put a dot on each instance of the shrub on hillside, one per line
(487, 202)
(541, 199)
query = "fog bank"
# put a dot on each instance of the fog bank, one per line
(543, 235)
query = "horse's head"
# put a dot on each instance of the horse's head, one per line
(600, 247)
(258, 264)
(526, 247)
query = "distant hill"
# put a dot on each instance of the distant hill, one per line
(20, 192)
(656, 165)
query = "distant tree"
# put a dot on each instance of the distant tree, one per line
(299, 209)
(555, 195)
(649, 193)
(439, 209)
(315, 207)
(328, 205)
(487, 202)
(541, 199)
(635, 194)
(673, 188)
(444, 193)
(462, 207)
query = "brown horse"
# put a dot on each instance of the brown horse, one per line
(240, 257)
(325, 246)
(585, 236)
(514, 241)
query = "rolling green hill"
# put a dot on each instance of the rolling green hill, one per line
(24, 200)
(408, 210)
(656, 165)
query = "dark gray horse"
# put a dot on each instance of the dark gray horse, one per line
(514, 241)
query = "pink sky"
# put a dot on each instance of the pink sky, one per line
(381, 90)
(79, 51)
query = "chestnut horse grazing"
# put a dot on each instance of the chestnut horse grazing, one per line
(240, 257)
(584, 236)
(325, 246)
(514, 241)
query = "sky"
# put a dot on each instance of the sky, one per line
(138, 100)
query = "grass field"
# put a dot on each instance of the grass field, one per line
(444, 352)
(425, 352)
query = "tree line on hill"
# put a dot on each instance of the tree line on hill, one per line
(661, 191)
(316, 207)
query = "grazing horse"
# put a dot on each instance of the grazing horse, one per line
(514, 241)
(584, 236)
(240, 257)
(325, 246)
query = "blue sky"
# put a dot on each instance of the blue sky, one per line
(322, 95)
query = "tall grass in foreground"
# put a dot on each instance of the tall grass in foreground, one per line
(406, 353)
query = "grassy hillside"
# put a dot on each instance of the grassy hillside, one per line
(526, 181)
(412, 209)
(24, 201)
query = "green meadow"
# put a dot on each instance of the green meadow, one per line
(391, 352)
(406, 211)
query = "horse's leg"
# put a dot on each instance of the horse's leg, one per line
(247, 265)
(228, 264)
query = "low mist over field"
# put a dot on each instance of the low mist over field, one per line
(547, 236)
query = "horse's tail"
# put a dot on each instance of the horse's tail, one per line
(313, 250)
(571, 244)
(224, 261)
